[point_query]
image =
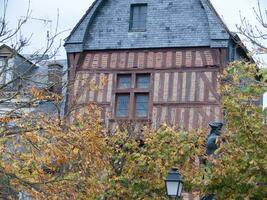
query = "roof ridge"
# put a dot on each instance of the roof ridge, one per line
(232, 34)
(17, 53)
(219, 17)
(81, 20)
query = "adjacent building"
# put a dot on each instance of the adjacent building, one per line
(19, 74)
(161, 60)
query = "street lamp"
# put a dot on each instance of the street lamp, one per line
(174, 184)
(174, 181)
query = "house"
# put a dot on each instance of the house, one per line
(19, 73)
(161, 60)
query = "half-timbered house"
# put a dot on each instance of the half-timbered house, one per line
(161, 60)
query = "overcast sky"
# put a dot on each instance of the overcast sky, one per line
(70, 11)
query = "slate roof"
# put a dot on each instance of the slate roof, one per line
(15, 53)
(171, 23)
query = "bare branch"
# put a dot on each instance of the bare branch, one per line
(256, 34)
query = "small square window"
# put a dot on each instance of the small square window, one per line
(143, 81)
(138, 17)
(124, 81)
(141, 105)
(122, 105)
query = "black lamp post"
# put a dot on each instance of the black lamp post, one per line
(174, 181)
(174, 184)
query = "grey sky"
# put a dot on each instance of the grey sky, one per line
(70, 11)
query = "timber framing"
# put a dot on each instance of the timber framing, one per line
(183, 89)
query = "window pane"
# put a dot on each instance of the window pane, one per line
(138, 17)
(141, 105)
(1, 62)
(124, 81)
(142, 17)
(122, 105)
(143, 80)
(135, 17)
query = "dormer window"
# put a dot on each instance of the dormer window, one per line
(138, 17)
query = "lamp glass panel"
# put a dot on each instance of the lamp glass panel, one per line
(172, 188)
(180, 190)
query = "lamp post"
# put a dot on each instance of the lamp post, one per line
(174, 181)
(174, 184)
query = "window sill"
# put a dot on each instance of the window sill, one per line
(137, 31)
(130, 120)
(136, 90)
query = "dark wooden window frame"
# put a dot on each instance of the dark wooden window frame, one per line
(131, 29)
(133, 91)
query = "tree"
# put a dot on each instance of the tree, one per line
(78, 159)
(256, 34)
(18, 84)
(239, 169)
(48, 159)
(18, 73)
(43, 155)
(139, 167)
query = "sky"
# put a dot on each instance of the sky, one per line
(70, 12)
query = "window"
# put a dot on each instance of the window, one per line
(122, 105)
(2, 63)
(132, 96)
(143, 81)
(138, 17)
(141, 105)
(5, 74)
(1, 70)
(124, 81)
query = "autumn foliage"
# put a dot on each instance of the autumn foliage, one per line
(47, 157)
(239, 171)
